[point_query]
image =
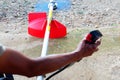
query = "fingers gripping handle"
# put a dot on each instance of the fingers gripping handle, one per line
(93, 36)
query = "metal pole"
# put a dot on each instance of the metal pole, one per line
(47, 33)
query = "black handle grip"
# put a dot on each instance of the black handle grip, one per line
(93, 36)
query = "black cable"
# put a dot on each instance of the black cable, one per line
(55, 73)
(60, 70)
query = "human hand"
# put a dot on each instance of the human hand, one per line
(85, 49)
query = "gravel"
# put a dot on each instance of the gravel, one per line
(83, 13)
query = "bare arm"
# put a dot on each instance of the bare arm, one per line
(14, 62)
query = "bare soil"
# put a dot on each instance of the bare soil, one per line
(82, 17)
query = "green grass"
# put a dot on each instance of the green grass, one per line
(110, 41)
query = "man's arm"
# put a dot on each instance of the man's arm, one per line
(14, 62)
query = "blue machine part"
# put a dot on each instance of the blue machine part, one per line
(42, 5)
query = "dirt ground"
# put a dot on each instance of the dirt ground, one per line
(83, 16)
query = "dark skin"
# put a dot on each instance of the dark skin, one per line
(15, 62)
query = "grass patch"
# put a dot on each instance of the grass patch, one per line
(110, 41)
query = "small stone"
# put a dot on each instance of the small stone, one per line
(6, 31)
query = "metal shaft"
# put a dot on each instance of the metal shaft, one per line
(46, 38)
